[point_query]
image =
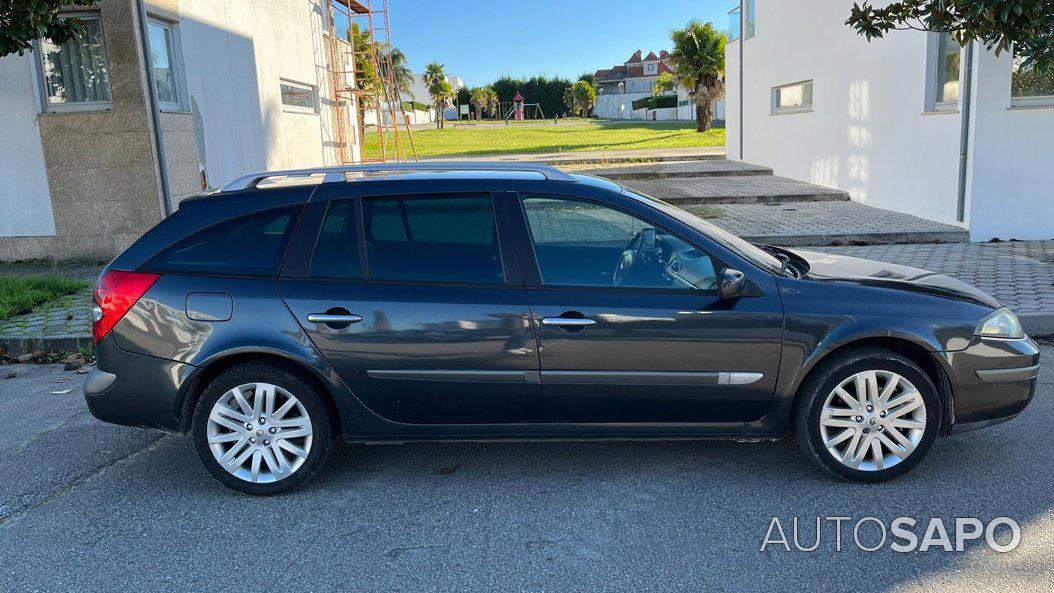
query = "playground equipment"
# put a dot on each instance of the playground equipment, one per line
(519, 110)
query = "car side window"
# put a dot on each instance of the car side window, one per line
(450, 238)
(251, 245)
(582, 243)
(337, 249)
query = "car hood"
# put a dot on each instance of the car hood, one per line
(840, 268)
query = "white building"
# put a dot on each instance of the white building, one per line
(634, 81)
(95, 154)
(887, 121)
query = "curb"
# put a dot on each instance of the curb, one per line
(859, 239)
(1038, 325)
(769, 199)
(15, 346)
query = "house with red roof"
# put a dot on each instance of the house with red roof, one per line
(635, 75)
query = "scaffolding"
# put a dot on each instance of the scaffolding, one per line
(359, 48)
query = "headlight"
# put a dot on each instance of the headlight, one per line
(1001, 323)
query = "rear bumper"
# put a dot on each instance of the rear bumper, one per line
(992, 381)
(135, 390)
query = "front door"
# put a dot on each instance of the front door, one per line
(409, 300)
(630, 324)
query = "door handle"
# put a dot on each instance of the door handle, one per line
(568, 322)
(333, 318)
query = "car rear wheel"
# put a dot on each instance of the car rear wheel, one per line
(260, 429)
(868, 415)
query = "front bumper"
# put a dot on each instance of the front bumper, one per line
(992, 381)
(133, 389)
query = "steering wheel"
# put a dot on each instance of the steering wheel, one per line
(639, 248)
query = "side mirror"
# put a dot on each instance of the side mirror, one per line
(733, 284)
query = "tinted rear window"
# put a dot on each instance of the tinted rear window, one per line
(337, 250)
(433, 239)
(250, 245)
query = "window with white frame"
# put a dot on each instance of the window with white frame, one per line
(297, 97)
(945, 59)
(163, 62)
(1029, 86)
(792, 98)
(75, 74)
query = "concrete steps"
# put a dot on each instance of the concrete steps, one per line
(744, 189)
(801, 224)
(672, 169)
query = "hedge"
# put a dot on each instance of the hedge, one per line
(659, 102)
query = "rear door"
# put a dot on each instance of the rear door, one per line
(417, 301)
(630, 323)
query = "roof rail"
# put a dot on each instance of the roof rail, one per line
(339, 174)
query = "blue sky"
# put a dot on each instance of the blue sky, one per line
(482, 40)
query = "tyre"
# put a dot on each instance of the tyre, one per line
(260, 429)
(867, 415)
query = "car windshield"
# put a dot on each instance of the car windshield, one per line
(741, 247)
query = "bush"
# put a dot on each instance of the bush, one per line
(415, 106)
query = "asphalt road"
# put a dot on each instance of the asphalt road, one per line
(85, 506)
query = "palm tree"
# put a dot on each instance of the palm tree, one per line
(479, 98)
(492, 102)
(698, 58)
(401, 73)
(438, 88)
(664, 82)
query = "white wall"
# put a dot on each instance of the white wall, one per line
(236, 52)
(867, 133)
(25, 202)
(1009, 191)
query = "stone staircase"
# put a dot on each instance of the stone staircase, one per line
(751, 202)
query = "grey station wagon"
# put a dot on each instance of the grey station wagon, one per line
(453, 301)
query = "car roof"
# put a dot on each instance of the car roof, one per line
(425, 170)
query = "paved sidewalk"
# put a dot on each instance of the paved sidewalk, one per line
(1018, 273)
(796, 224)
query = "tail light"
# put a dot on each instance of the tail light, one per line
(115, 293)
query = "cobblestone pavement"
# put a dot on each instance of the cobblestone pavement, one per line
(748, 189)
(825, 223)
(704, 168)
(1018, 273)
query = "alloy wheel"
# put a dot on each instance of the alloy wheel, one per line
(873, 420)
(259, 432)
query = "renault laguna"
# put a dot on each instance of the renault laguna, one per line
(453, 301)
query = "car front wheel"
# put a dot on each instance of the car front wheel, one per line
(868, 415)
(260, 429)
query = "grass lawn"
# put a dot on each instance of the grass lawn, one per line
(19, 295)
(482, 140)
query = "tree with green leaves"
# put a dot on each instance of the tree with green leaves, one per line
(698, 59)
(664, 82)
(569, 100)
(479, 99)
(585, 97)
(1025, 25)
(492, 102)
(439, 89)
(24, 21)
(401, 75)
(365, 74)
